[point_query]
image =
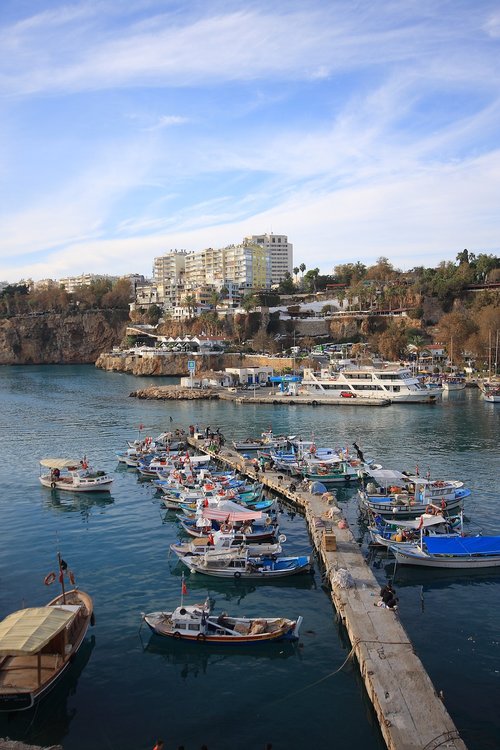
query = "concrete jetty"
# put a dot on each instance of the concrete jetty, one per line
(258, 396)
(411, 714)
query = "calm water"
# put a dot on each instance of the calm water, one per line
(126, 687)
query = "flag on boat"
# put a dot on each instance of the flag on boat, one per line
(184, 587)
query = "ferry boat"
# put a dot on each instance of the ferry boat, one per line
(454, 383)
(388, 381)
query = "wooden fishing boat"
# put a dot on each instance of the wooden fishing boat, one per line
(197, 623)
(220, 542)
(384, 531)
(73, 476)
(38, 644)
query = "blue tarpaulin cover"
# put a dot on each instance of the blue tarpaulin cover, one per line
(467, 545)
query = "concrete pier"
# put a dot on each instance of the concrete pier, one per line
(411, 714)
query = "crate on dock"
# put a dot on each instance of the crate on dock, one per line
(329, 539)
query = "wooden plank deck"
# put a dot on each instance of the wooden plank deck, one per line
(410, 712)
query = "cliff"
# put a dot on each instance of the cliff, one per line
(60, 338)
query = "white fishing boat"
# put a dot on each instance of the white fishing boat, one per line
(74, 476)
(227, 542)
(450, 552)
(389, 381)
(245, 566)
(491, 395)
(385, 532)
(455, 383)
(38, 644)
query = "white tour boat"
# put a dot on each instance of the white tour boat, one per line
(388, 381)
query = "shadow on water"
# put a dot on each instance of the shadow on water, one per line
(49, 720)
(439, 578)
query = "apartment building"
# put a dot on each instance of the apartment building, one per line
(281, 253)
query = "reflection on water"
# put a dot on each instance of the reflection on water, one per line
(194, 659)
(50, 719)
(83, 503)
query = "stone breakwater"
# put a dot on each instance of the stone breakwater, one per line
(175, 393)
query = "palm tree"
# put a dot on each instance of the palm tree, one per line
(302, 268)
(296, 272)
(215, 298)
(189, 301)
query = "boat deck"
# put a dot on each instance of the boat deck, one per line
(21, 672)
(410, 712)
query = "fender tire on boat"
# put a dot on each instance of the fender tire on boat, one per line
(53, 485)
(275, 402)
(177, 635)
(314, 403)
(201, 637)
(291, 403)
(92, 619)
(237, 574)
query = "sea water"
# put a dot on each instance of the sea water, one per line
(127, 687)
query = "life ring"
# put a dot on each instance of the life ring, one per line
(177, 635)
(71, 577)
(201, 637)
(49, 578)
(237, 574)
(53, 485)
(268, 521)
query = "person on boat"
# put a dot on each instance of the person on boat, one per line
(159, 745)
(56, 474)
(359, 452)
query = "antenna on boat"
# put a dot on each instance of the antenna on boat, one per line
(62, 568)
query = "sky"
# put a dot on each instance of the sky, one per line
(359, 129)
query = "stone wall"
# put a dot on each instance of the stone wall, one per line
(175, 365)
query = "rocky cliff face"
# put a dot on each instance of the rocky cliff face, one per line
(65, 338)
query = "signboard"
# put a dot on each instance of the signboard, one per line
(191, 365)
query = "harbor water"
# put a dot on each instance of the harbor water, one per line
(126, 687)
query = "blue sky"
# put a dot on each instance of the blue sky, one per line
(359, 129)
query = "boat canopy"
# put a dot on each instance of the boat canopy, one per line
(423, 521)
(60, 463)
(463, 546)
(387, 475)
(232, 511)
(27, 631)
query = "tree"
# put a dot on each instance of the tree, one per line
(296, 272)
(309, 280)
(391, 343)
(119, 296)
(189, 301)
(286, 285)
(154, 313)
(383, 270)
(215, 298)
(302, 268)
(248, 302)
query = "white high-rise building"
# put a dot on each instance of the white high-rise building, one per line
(281, 253)
(169, 267)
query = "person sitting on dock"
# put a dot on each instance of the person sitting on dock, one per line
(388, 596)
